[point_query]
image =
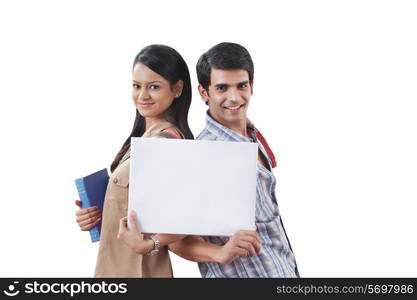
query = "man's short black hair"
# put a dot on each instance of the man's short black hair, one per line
(223, 56)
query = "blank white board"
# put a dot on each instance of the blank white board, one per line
(193, 186)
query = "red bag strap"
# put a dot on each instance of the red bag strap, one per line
(266, 146)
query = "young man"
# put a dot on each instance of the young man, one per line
(225, 75)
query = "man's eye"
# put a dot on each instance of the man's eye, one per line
(221, 88)
(154, 87)
(136, 86)
(243, 85)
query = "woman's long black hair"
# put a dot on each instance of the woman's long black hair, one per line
(168, 63)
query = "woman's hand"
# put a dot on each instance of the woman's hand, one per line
(132, 237)
(87, 218)
(243, 243)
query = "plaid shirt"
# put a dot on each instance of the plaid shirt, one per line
(276, 258)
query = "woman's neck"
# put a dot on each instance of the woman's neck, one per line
(152, 122)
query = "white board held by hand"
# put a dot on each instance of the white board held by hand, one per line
(192, 186)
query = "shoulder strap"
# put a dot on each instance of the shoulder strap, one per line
(168, 135)
(173, 134)
(266, 146)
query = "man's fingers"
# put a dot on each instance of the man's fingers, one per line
(248, 247)
(248, 236)
(250, 233)
(254, 241)
(78, 203)
(257, 248)
(257, 237)
(240, 252)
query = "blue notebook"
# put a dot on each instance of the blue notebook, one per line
(92, 190)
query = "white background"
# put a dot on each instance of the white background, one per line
(335, 96)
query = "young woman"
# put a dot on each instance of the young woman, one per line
(161, 92)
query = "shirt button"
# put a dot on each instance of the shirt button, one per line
(115, 180)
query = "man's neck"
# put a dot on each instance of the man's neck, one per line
(238, 127)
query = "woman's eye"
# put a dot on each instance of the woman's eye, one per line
(136, 86)
(154, 87)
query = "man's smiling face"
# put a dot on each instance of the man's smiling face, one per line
(228, 96)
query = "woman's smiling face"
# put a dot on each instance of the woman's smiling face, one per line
(152, 94)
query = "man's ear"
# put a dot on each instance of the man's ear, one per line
(178, 88)
(203, 93)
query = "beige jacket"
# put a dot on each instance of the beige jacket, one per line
(115, 259)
